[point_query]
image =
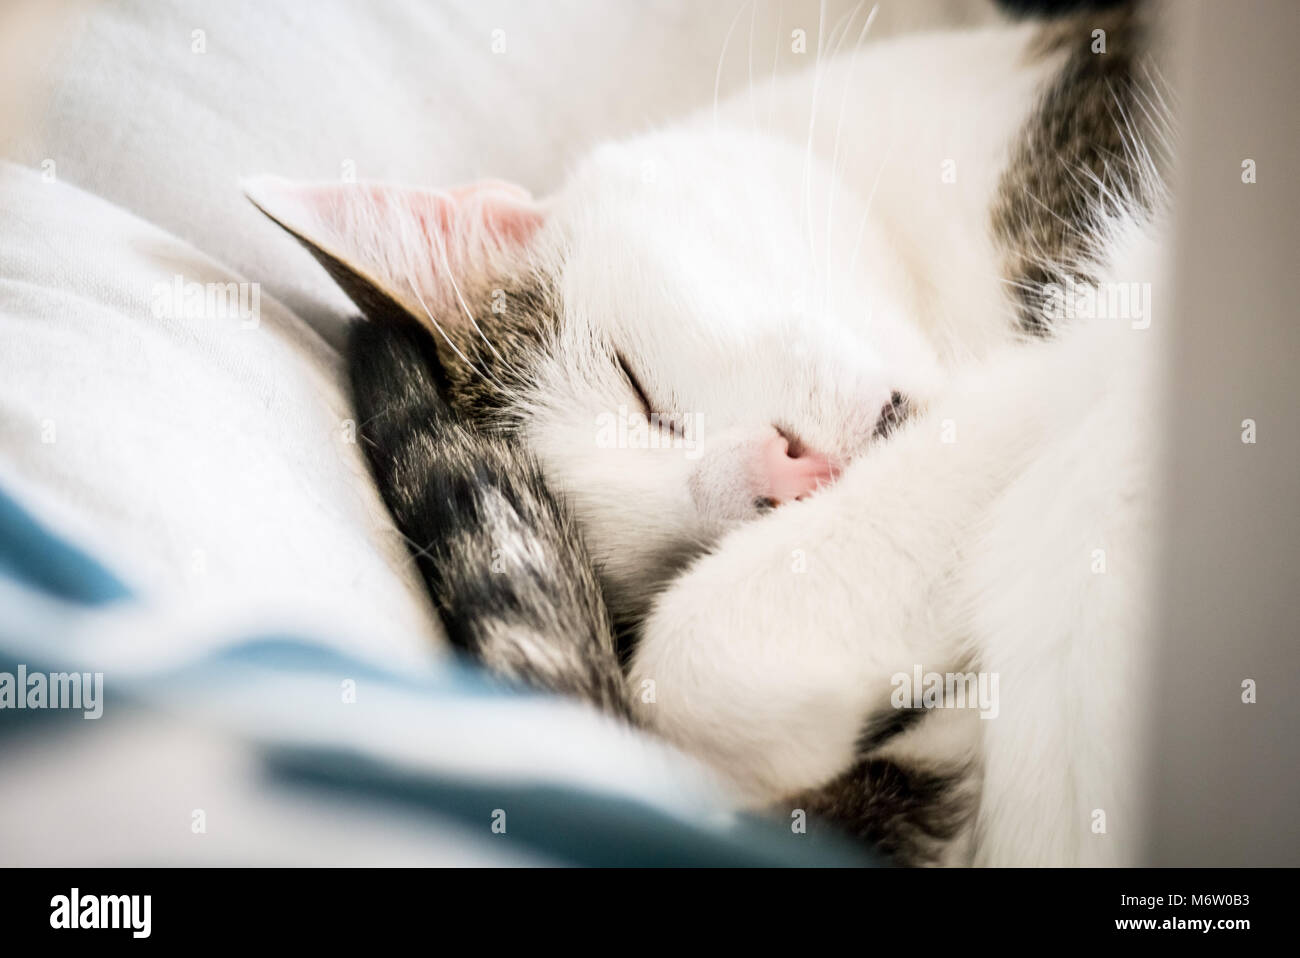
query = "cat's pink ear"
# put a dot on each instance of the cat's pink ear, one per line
(412, 248)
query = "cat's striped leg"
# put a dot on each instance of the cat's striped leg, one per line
(501, 556)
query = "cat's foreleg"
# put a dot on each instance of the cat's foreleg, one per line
(502, 558)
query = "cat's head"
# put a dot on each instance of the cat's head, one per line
(694, 330)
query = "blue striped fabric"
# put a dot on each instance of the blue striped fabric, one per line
(481, 745)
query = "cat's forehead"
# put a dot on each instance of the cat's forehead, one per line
(724, 182)
(674, 226)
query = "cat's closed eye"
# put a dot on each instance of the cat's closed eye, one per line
(632, 380)
(669, 421)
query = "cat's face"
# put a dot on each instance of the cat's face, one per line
(695, 330)
(700, 283)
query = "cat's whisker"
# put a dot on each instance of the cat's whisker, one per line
(1055, 215)
(1125, 127)
(1073, 173)
(1148, 186)
(722, 58)
(871, 197)
(1158, 83)
(473, 322)
(469, 314)
(443, 333)
(1158, 116)
(753, 110)
(416, 550)
(379, 414)
(839, 128)
(776, 62)
(1155, 117)
(1015, 283)
(812, 128)
(832, 43)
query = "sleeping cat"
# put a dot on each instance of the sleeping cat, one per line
(766, 415)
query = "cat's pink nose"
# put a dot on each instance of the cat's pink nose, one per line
(792, 473)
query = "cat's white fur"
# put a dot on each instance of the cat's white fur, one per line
(973, 553)
(977, 552)
(789, 259)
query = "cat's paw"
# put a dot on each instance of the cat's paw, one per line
(767, 656)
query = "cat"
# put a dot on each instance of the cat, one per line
(768, 412)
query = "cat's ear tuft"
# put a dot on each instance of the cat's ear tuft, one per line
(398, 248)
